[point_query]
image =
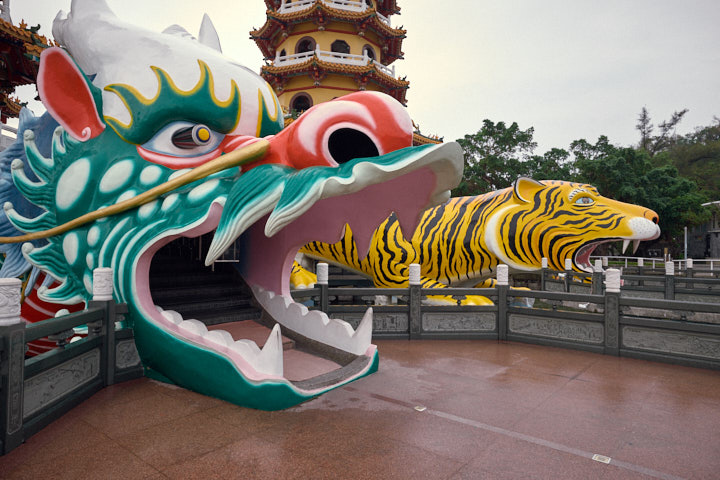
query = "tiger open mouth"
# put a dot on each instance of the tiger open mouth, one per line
(268, 245)
(643, 230)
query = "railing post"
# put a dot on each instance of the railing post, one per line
(641, 270)
(415, 302)
(322, 282)
(12, 365)
(669, 280)
(689, 272)
(103, 298)
(597, 278)
(568, 272)
(502, 286)
(612, 311)
(543, 273)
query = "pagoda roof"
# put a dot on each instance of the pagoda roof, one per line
(384, 7)
(278, 23)
(319, 69)
(20, 49)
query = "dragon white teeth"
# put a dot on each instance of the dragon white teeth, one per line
(220, 337)
(269, 360)
(193, 326)
(636, 244)
(172, 315)
(317, 325)
(626, 244)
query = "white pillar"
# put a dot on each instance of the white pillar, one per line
(612, 280)
(502, 275)
(10, 301)
(568, 264)
(689, 263)
(322, 273)
(640, 262)
(598, 265)
(544, 262)
(414, 274)
(102, 284)
(605, 261)
(670, 268)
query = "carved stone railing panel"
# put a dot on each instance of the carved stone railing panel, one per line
(459, 322)
(678, 343)
(57, 382)
(557, 328)
(126, 354)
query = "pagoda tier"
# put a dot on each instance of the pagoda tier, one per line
(281, 23)
(20, 49)
(367, 75)
(384, 7)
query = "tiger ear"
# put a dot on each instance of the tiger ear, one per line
(525, 189)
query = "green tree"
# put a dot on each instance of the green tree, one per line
(498, 154)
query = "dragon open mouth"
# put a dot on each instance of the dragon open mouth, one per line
(331, 350)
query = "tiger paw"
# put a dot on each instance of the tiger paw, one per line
(476, 300)
(300, 278)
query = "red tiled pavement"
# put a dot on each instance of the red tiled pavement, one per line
(492, 410)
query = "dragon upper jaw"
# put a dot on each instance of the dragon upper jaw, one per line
(266, 262)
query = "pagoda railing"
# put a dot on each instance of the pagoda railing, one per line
(334, 57)
(349, 5)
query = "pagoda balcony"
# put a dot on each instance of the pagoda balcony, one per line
(333, 57)
(349, 5)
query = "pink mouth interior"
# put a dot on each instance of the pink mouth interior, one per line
(269, 260)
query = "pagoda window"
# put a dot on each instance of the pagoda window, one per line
(300, 102)
(340, 46)
(283, 53)
(369, 3)
(369, 51)
(306, 44)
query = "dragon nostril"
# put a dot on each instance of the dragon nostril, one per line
(655, 219)
(346, 144)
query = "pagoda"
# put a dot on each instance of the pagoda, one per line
(20, 49)
(319, 50)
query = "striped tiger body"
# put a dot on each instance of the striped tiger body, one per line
(460, 243)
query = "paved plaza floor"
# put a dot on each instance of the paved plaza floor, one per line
(435, 410)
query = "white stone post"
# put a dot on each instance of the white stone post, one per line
(10, 301)
(669, 268)
(598, 265)
(503, 275)
(640, 262)
(604, 262)
(568, 264)
(544, 262)
(102, 284)
(612, 280)
(322, 273)
(414, 274)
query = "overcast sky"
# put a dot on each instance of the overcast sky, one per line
(570, 68)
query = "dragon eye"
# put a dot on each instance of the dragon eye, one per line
(184, 139)
(584, 201)
(191, 137)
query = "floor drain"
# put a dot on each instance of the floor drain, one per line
(601, 458)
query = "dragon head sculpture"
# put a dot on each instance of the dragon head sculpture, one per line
(162, 137)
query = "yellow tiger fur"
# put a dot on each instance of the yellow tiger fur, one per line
(460, 243)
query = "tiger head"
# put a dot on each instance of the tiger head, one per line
(563, 220)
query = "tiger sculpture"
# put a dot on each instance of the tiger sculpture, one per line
(460, 243)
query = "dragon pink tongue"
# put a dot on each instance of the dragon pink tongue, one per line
(269, 264)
